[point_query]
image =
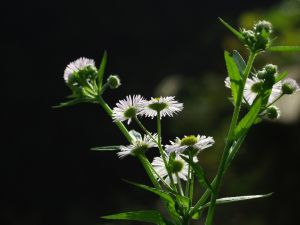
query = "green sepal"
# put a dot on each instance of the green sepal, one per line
(101, 70)
(284, 49)
(106, 148)
(240, 62)
(234, 31)
(149, 216)
(199, 172)
(234, 75)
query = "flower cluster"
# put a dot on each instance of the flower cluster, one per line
(265, 79)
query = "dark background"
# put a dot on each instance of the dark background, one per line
(49, 174)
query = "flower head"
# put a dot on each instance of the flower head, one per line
(253, 87)
(128, 108)
(179, 167)
(289, 86)
(77, 65)
(138, 146)
(193, 143)
(272, 112)
(166, 106)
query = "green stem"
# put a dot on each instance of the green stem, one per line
(229, 141)
(145, 129)
(149, 170)
(179, 184)
(161, 151)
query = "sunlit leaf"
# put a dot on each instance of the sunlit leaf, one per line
(106, 148)
(240, 62)
(234, 31)
(102, 69)
(284, 49)
(281, 76)
(150, 216)
(69, 103)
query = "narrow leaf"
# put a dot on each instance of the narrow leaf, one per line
(234, 31)
(69, 103)
(199, 172)
(284, 49)
(249, 118)
(102, 69)
(240, 62)
(281, 76)
(237, 199)
(234, 75)
(150, 216)
(106, 148)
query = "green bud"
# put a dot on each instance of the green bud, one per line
(289, 86)
(273, 112)
(263, 26)
(271, 69)
(256, 87)
(176, 166)
(114, 81)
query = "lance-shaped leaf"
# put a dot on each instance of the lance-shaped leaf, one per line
(69, 103)
(236, 199)
(150, 216)
(234, 75)
(234, 31)
(240, 62)
(284, 49)
(249, 118)
(101, 70)
(199, 172)
(106, 148)
(281, 76)
(166, 196)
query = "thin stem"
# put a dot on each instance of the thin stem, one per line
(145, 129)
(161, 151)
(179, 184)
(275, 100)
(229, 141)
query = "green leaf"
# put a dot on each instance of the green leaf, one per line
(106, 148)
(150, 216)
(69, 103)
(101, 70)
(250, 117)
(182, 200)
(199, 172)
(281, 76)
(166, 196)
(240, 62)
(234, 31)
(236, 199)
(284, 49)
(234, 75)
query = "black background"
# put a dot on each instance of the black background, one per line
(49, 174)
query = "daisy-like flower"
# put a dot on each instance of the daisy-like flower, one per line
(192, 142)
(128, 108)
(138, 146)
(252, 88)
(167, 106)
(179, 167)
(78, 65)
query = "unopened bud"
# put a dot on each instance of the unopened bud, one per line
(289, 86)
(114, 81)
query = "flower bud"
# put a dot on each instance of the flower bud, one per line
(289, 86)
(273, 113)
(114, 81)
(271, 69)
(261, 74)
(263, 26)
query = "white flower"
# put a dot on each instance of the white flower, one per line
(179, 164)
(128, 108)
(195, 143)
(252, 88)
(138, 146)
(77, 65)
(167, 106)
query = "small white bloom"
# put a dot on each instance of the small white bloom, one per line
(196, 143)
(128, 108)
(252, 87)
(77, 65)
(167, 106)
(139, 145)
(181, 168)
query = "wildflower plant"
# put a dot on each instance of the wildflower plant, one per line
(174, 172)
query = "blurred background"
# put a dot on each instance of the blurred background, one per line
(49, 175)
